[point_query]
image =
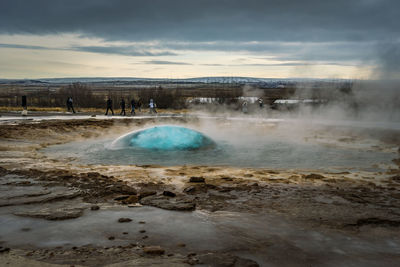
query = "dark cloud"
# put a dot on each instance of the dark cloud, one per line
(290, 64)
(312, 20)
(17, 46)
(164, 62)
(121, 50)
(115, 50)
(290, 30)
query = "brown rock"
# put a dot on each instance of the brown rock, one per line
(189, 189)
(131, 200)
(314, 176)
(143, 194)
(168, 203)
(153, 250)
(95, 207)
(53, 214)
(121, 197)
(124, 220)
(93, 174)
(195, 179)
(169, 194)
(2, 249)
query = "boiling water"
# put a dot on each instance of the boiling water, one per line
(194, 148)
(165, 138)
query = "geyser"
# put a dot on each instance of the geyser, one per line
(168, 137)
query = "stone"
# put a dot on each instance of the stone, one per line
(143, 194)
(94, 207)
(131, 200)
(111, 238)
(195, 179)
(53, 214)
(122, 189)
(93, 174)
(142, 231)
(225, 259)
(121, 197)
(3, 249)
(189, 189)
(154, 250)
(169, 194)
(314, 176)
(245, 263)
(124, 220)
(168, 203)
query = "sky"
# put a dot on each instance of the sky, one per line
(350, 39)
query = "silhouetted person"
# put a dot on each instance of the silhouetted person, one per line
(70, 105)
(24, 106)
(244, 107)
(152, 106)
(109, 106)
(139, 105)
(133, 107)
(122, 104)
(260, 103)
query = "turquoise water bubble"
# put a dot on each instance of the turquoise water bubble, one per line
(170, 138)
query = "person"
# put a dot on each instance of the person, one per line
(152, 106)
(122, 104)
(244, 107)
(133, 107)
(109, 106)
(70, 105)
(24, 106)
(139, 105)
(260, 102)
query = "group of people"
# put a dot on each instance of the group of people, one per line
(122, 104)
(134, 105)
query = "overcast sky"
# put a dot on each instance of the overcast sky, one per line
(193, 38)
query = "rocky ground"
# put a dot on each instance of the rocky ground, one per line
(362, 205)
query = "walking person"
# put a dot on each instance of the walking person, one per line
(24, 106)
(260, 103)
(122, 104)
(139, 105)
(109, 106)
(244, 107)
(133, 107)
(152, 106)
(70, 105)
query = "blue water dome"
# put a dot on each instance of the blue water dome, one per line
(169, 137)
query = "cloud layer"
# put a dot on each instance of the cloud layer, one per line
(293, 33)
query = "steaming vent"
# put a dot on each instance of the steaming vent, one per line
(166, 138)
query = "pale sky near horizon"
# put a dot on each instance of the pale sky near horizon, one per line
(357, 39)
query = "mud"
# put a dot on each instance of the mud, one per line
(362, 205)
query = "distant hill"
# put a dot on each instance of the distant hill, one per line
(272, 82)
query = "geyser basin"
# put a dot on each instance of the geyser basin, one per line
(167, 137)
(241, 144)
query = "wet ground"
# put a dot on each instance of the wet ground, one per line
(62, 209)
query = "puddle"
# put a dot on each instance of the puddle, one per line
(257, 237)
